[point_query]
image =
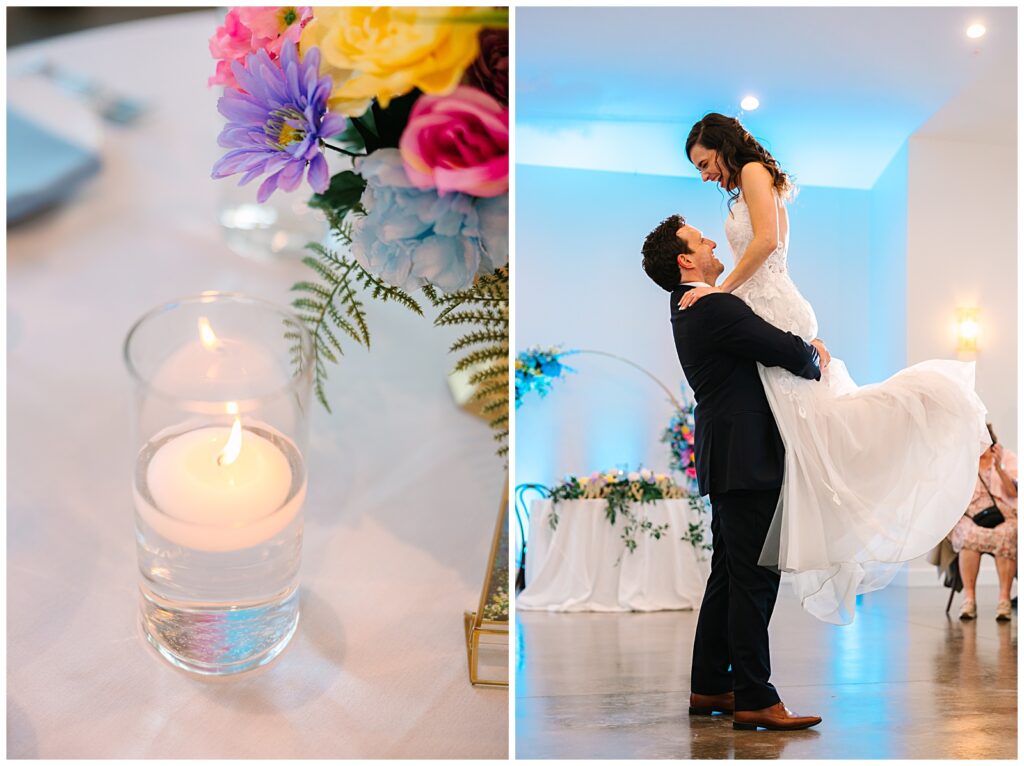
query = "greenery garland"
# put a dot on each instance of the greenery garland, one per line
(620, 491)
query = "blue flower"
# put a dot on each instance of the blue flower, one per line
(276, 123)
(493, 212)
(551, 368)
(411, 236)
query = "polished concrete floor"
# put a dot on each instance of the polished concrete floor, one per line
(903, 681)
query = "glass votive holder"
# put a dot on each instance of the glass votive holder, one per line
(222, 393)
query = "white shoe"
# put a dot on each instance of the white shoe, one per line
(969, 610)
(1003, 612)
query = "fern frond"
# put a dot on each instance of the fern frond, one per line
(493, 389)
(319, 306)
(382, 291)
(483, 316)
(492, 407)
(323, 349)
(313, 288)
(488, 374)
(475, 358)
(478, 336)
(359, 336)
(330, 339)
(431, 292)
(333, 303)
(485, 307)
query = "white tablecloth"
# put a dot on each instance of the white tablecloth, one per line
(583, 566)
(403, 487)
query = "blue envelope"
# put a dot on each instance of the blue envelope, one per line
(43, 169)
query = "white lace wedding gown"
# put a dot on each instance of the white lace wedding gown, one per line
(875, 475)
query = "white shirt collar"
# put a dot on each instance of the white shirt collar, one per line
(694, 284)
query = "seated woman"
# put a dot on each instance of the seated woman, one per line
(997, 485)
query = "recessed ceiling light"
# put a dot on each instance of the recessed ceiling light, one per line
(975, 30)
(749, 104)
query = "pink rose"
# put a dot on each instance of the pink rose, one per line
(457, 143)
(273, 27)
(247, 30)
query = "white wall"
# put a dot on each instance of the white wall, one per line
(887, 317)
(962, 251)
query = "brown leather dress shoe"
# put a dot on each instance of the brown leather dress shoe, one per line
(777, 717)
(709, 704)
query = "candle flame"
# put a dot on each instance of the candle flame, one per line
(207, 336)
(229, 454)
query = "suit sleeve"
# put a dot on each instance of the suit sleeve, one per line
(737, 329)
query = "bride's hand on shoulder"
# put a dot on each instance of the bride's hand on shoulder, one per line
(692, 296)
(824, 357)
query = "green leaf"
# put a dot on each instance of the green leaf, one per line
(391, 122)
(352, 137)
(342, 196)
(367, 128)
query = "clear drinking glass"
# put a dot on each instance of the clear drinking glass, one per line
(279, 228)
(222, 392)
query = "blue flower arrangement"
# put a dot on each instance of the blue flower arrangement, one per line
(537, 368)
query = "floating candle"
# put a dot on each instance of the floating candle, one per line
(219, 488)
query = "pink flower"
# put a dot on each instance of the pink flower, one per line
(273, 27)
(247, 30)
(691, 472)
(457, 143)
(229, 43)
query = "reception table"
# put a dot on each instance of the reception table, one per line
(392, 555)
(582, 565)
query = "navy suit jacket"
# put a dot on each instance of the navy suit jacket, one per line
(719, 340)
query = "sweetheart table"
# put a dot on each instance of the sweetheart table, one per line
(582, 565)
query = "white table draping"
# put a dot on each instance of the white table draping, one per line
(403, 486)
(582, 565)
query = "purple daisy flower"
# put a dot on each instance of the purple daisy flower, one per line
(275, 124)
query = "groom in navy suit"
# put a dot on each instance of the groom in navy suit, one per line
(739, 457)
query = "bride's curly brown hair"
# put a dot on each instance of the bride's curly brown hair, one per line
(736, 147)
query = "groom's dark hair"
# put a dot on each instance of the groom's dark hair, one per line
(660, 250)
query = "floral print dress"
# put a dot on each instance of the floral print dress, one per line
(1001, 540)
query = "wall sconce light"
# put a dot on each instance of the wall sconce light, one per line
(967, 330)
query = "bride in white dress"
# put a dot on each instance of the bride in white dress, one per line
(875, 475)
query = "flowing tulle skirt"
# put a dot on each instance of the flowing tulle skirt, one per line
(875, 475)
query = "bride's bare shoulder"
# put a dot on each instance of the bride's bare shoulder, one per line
(755, 174)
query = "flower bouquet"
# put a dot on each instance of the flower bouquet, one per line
(679, 436)
(416, 100)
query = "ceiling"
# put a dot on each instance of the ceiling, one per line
(841, 89)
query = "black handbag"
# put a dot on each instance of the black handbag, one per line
(990, 517)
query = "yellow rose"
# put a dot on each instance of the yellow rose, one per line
(385, 52)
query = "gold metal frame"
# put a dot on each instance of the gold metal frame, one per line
(476, 626)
